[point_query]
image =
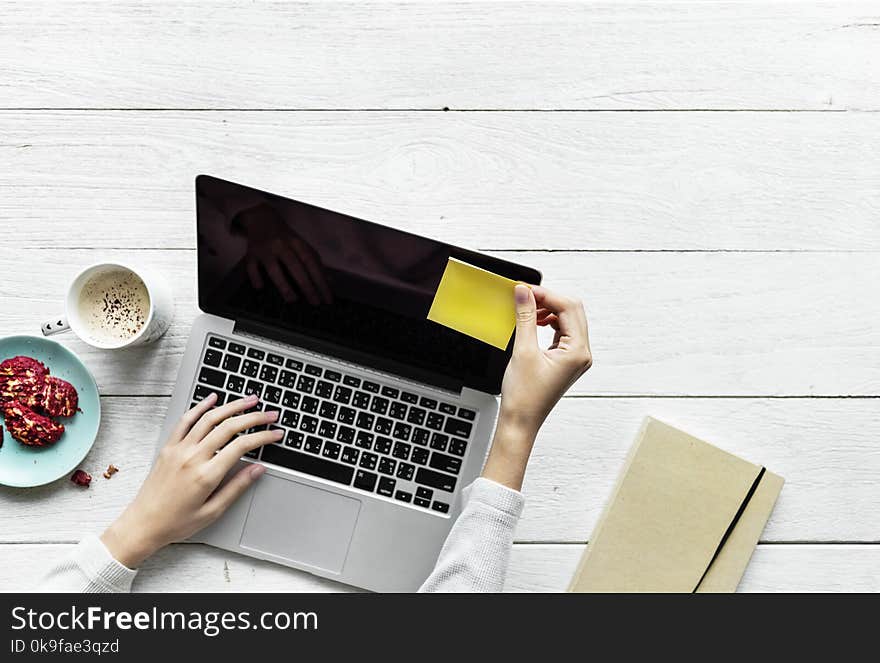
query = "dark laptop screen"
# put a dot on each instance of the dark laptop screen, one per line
(361, 289)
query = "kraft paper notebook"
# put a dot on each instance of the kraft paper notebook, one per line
(684, 516)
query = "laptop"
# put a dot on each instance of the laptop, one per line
(386, 414)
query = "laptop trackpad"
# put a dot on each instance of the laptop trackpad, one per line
(300, 523)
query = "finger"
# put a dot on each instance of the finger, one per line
(253, 270)
(316, 269)
(228, 429)
(209, 420)
(296, 269)
(526, 321)
(550, 320)
(276, 275)
(228, 456)
(570, 312)
(191, 416)
(226, 496)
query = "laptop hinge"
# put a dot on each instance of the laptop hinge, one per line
(297, 340)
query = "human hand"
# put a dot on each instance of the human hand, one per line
(535, 378)
(180, 496)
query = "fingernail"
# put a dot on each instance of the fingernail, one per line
(521, 293)
(252, 398)
(278, 434)
(257, 471)
(273, 415)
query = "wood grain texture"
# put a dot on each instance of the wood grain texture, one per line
(699, 324)
(825, 448)
(644, 56)
(533, 568)
(570, 181)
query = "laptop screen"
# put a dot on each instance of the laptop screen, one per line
(360, 289)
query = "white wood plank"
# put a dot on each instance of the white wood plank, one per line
(825, 449)
(643, 56)
(661, 323)
(609, 181)
(544, 568)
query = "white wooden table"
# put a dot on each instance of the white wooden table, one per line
(706, 176)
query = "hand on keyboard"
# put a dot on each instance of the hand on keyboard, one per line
(181, 494)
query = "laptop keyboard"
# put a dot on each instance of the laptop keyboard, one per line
(355, 431)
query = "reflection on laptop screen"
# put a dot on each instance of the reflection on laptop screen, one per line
(353, 284)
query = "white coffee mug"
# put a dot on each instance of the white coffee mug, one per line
(155, 322)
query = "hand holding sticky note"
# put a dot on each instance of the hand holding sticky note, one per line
(475, 302)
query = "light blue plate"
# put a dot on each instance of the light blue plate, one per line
(23, 466)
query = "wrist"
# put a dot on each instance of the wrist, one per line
(509, 455)
(129, 545)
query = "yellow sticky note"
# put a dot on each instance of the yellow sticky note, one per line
(475, 302)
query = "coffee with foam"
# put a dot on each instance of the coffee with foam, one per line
(113, 306)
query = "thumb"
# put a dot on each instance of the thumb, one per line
(223, 498)
(526, 319)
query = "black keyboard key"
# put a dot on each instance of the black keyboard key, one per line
(457, 447)
(305, 384)
(231, 363)
(309, 404)
(253, 453)
(331, 450)
(403, 496)
(446, 463)
(294, 439)
(308, 424)
(277, 360)
(235, 383)
(351, 381)
(314, 370)
(383, 426)
(383, 445)
(470, 415)
(253, 353)
(391, 392)
(434, 421)
(342, 395)
(350, 455)
(387, 466)
(253, 387)
(368, 460)
(287, 379)
(324, 389)
(364, 440)
(365, 420)
(434, 479)
(250, 368)
(447, 408)
(211, 377)
(379, 405)
(424, 493)
(458, 427)
(294, 364)
(361, 399)
(421, 436)
(313, 465)
(201, 392)
(327, 429)
(402, 431)
(313, 444)
(345, 434)
(386, 486)
(365, 480)
(439, 441)
(333, 376)
(401, 451)
(268, 373)
(419, 455)
(291, 399)
(409, 397)
(290, 419)
(215, 342)
(416, 416)
(405, 471)
(429, 403)
(442, 507)
(272, 394)
(213, 357)
(371, 386)
(328, 410)
(347, 415)
(397, 411)
(418, 501)
(272, 408)
(236, 348)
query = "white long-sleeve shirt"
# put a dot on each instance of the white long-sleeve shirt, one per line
(474, 557)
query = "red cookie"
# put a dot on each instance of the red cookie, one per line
(59, 398)
(30, 428)
(22, 379)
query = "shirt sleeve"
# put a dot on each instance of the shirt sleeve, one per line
(477, 551)
(88, 568)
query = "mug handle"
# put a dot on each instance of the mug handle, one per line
(54, 326)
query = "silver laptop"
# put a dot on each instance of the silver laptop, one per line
(386, 414)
